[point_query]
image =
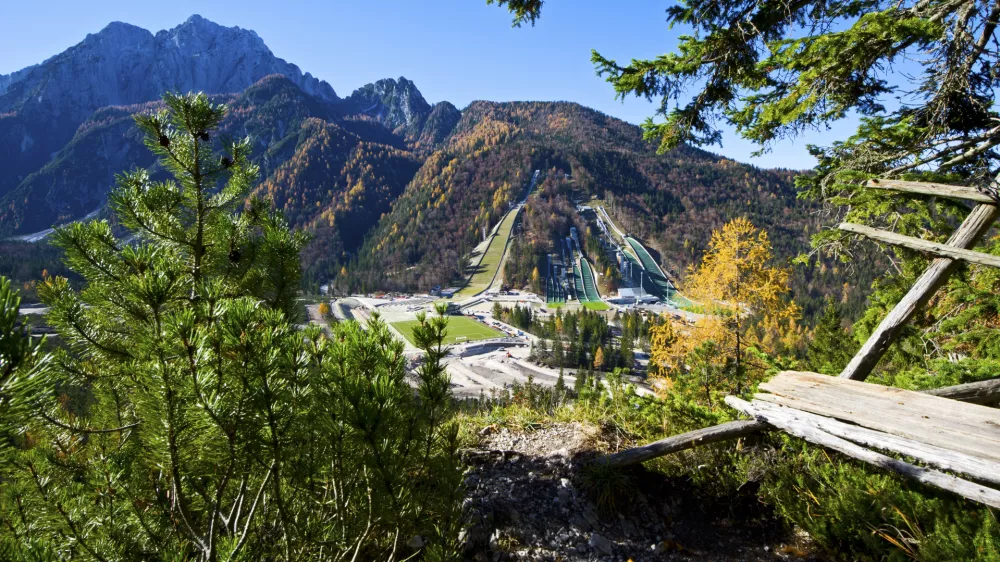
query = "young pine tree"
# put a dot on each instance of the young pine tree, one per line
(830, 347)
(210, 428)
(22, 367)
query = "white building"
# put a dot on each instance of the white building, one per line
(630, 295)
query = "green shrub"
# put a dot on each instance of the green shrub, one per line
(214, 429)
(860, 513)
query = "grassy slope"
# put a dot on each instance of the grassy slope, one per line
(591, 287)
(488, 265)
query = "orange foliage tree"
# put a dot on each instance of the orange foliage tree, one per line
(743, 303)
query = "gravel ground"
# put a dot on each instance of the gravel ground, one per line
(526, 501)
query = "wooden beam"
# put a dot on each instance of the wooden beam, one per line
(920, 245)
(737, 429)
(926, 476)
(691, 439)
(968, 234)
(936, 189)
(796, 384)
(983, 392)
(977, 468)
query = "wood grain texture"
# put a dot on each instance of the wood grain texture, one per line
(930, 477)
(934, 248)
(936, 189)
(803, 381)
(937, 457)
(965, 428)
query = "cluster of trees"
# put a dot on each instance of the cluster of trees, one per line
(433, 226)
(26, 263)
(525, 262)
(546, 222)
(746, 319)
(580, 339)
(184, 416)
(335, 186)
(637, 327)
(612, 278)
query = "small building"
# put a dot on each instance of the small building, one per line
(629, 295)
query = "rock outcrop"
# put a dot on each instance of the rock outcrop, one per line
(42, 106)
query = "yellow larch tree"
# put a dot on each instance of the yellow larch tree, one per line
(737, 289)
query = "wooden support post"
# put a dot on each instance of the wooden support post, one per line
(927, 476)
(935, 189)
(920, 245)
(985, 392)
(968, 234)
(689, 440)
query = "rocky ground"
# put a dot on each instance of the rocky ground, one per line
(529, 498)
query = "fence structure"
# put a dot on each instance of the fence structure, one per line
(952, 433)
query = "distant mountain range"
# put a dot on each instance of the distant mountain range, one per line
(394, 189)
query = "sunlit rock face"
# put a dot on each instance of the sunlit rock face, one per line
(123, 65)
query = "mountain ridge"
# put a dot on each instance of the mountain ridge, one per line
(394, 190)
(41, 106)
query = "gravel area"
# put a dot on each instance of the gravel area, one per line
(527, 500)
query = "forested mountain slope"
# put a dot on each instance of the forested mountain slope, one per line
(329, 173)
(672, 202)
(394, 190)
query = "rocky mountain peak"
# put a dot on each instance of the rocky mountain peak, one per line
(121, 65)
(396, 103)
(198, 34)
(124, 64)
(118, 29)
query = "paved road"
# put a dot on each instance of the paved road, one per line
(491, 373)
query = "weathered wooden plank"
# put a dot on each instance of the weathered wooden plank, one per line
(967, 235)
(722, 432)
(927, 476)
(901, 419)
(891, 422)
(938, 457)
(907, 427)
(920, 403)
(920, 245)
(968, 428)
(928, 188)
(982, 392)
(691, 439)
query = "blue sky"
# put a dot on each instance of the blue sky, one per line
(455, 50)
